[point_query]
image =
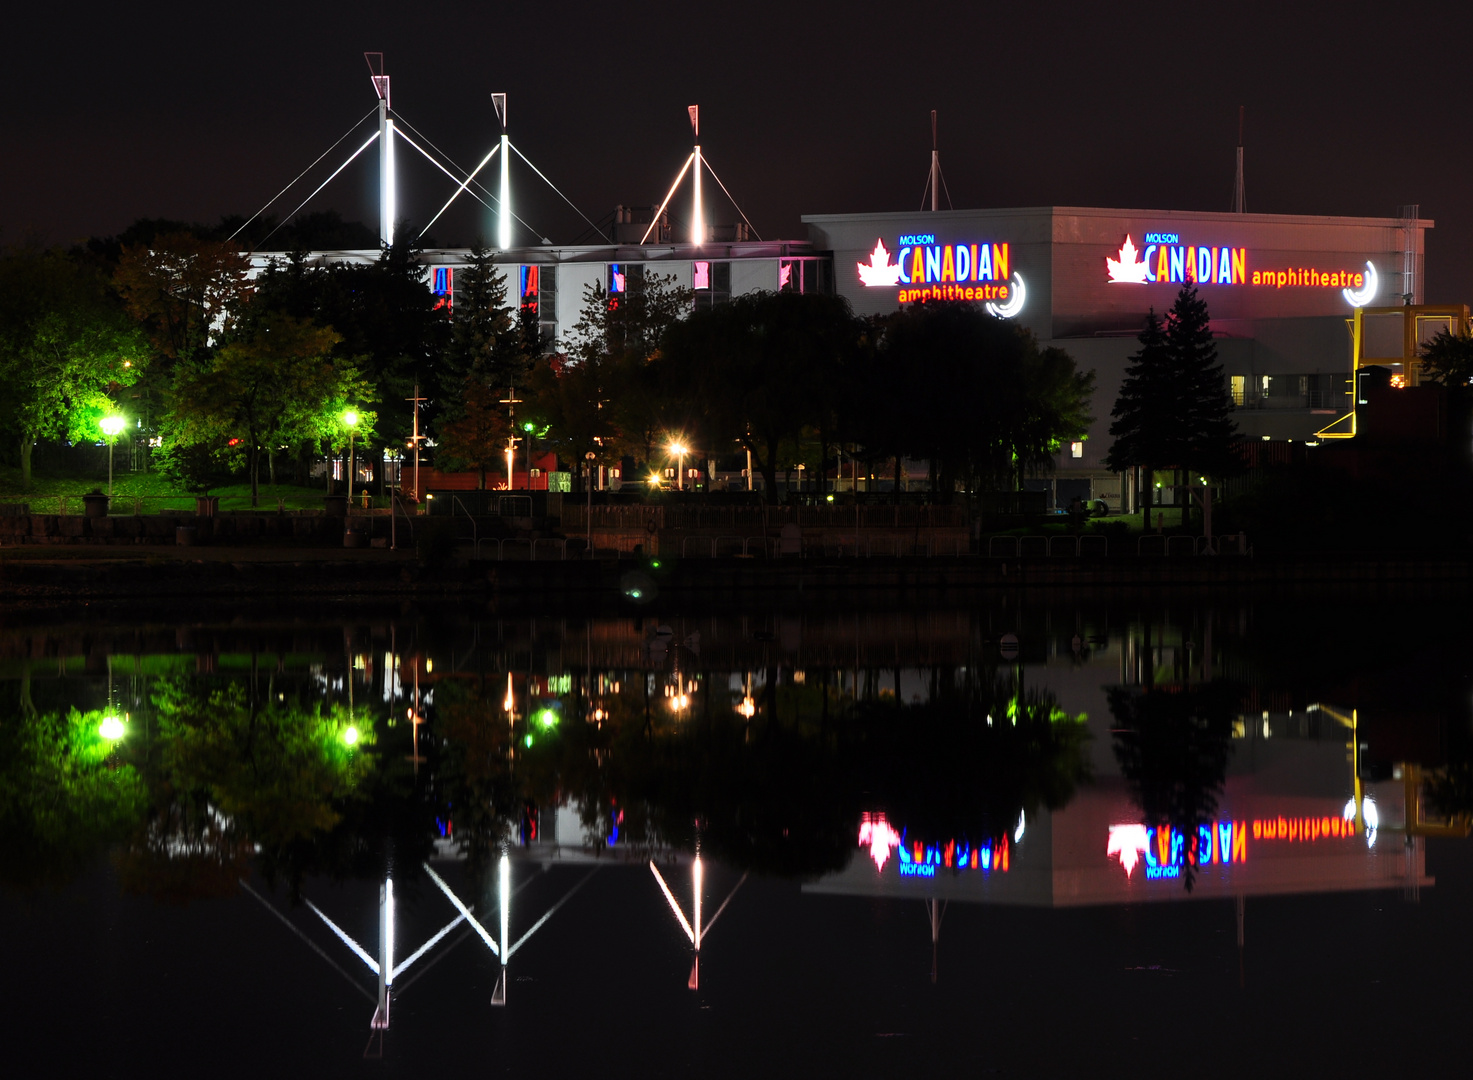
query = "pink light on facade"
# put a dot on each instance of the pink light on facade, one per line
(877, 833)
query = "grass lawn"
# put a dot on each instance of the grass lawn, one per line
(147, 493)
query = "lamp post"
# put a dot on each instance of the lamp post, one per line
(351, 419)
(112, 427)
(529, 428)
(588, 515)
(678, 449)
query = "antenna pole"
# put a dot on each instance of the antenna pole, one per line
(935, 162)
(1240, 198)
(698, 223)
(503, 229)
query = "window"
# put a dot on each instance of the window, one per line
(1240, 389)
(712, 284)
(803, 275)
(442, 284)
(1076, 449)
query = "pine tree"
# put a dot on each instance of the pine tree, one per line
(481, 324)
(1141, 429)
(1202, 428)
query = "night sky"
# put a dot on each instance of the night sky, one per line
(192, 111)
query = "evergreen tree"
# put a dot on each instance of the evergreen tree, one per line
(1143, 412)
(480, 322)
(1202, 426)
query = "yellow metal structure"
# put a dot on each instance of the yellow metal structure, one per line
(1392, 346)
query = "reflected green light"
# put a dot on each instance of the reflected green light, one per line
(527, 741)
(112, 728)
(655, 563)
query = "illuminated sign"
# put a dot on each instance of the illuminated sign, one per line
(916, 858)
(1307, 830)
(1167, 850)
(1166, 260)
(926, 270)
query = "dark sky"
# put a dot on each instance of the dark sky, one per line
(196, 110)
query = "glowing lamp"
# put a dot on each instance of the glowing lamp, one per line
(112, 426)
(350, 418)
(747, 708)
(350, 736)
(548, 718)
(111, 728)
(527, 741)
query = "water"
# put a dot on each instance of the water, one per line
(1042, 837)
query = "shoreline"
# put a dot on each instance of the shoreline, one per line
(173, 573)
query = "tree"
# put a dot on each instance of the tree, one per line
(1203, 425)
(1448, 360)
(974, 395)
(1174, 409)
(478, 437)
(184, 291)
(607, 395)
(1142, 410)
(264, 389)
(757, 371)
(392, 328)
(480, 323)
(64, 346)
(1173, 747)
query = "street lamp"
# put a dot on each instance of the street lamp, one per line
(529, 428)
(678, 448)
(112, 427)
(351, 419)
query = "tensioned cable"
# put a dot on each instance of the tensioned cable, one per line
(738, 206)
(452, 176)
(464, 183)
(484, 189)
(303, 173)
(320, 186)
(430, 158)
(656, 220)
(565, 199)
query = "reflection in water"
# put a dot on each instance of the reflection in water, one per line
(1173, 747)
(922, 757)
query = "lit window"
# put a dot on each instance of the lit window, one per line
(1240, 388)
(702, 276)
(1076, 449)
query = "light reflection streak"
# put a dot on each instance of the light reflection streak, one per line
(342, 935)
(684, 925)
(465, 911)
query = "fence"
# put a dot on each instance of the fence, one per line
(741, 519)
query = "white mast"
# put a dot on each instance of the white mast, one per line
(698, 221)
(386, 208)
(503, 226)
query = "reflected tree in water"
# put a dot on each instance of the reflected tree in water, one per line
(66, 794)
(1173, 746)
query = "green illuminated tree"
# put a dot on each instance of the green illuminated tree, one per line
(269, 387)
(65, 346)
(66, 795)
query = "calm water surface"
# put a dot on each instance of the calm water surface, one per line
(1041, 838)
